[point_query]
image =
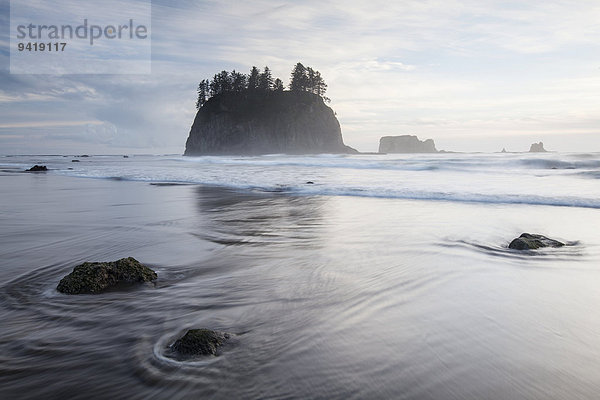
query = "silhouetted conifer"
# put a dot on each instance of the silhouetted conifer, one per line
(265, 80)
(253, 78)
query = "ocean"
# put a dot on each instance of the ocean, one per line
(339, 276)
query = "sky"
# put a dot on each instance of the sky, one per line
(477, 75)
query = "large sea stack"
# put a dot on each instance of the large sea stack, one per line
(255, 122)
(406, 144)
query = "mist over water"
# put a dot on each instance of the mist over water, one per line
(388, 277)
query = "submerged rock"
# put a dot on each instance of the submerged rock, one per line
(37, 168)
(200, 342)
(529, 241)
(96, 277)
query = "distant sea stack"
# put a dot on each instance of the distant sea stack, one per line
(265, 122)
(537, 148)
(406, 144)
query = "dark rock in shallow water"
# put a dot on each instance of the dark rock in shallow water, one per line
(200, 342)
(37, 168)
(529, 241)
(258, 122)
(96, 277)
(74, 160)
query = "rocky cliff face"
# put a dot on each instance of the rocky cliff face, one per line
(406, 144)
(537, 148)
(256, 122)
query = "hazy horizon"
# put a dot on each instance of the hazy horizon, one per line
(475, 76)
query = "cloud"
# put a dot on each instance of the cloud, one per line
(46, 124)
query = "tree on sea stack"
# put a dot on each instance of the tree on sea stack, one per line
(299, 78)
(203, 91)
(316, 83)
(238, 81)
(278, 85)
(253, 78)
(303, 79)
(306, 79)
(265, 80)
(221, 83)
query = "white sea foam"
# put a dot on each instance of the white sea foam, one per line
(539, 179)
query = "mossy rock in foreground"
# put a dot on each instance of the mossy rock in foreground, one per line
(528, 241)
(200, 342)
(97, 277)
